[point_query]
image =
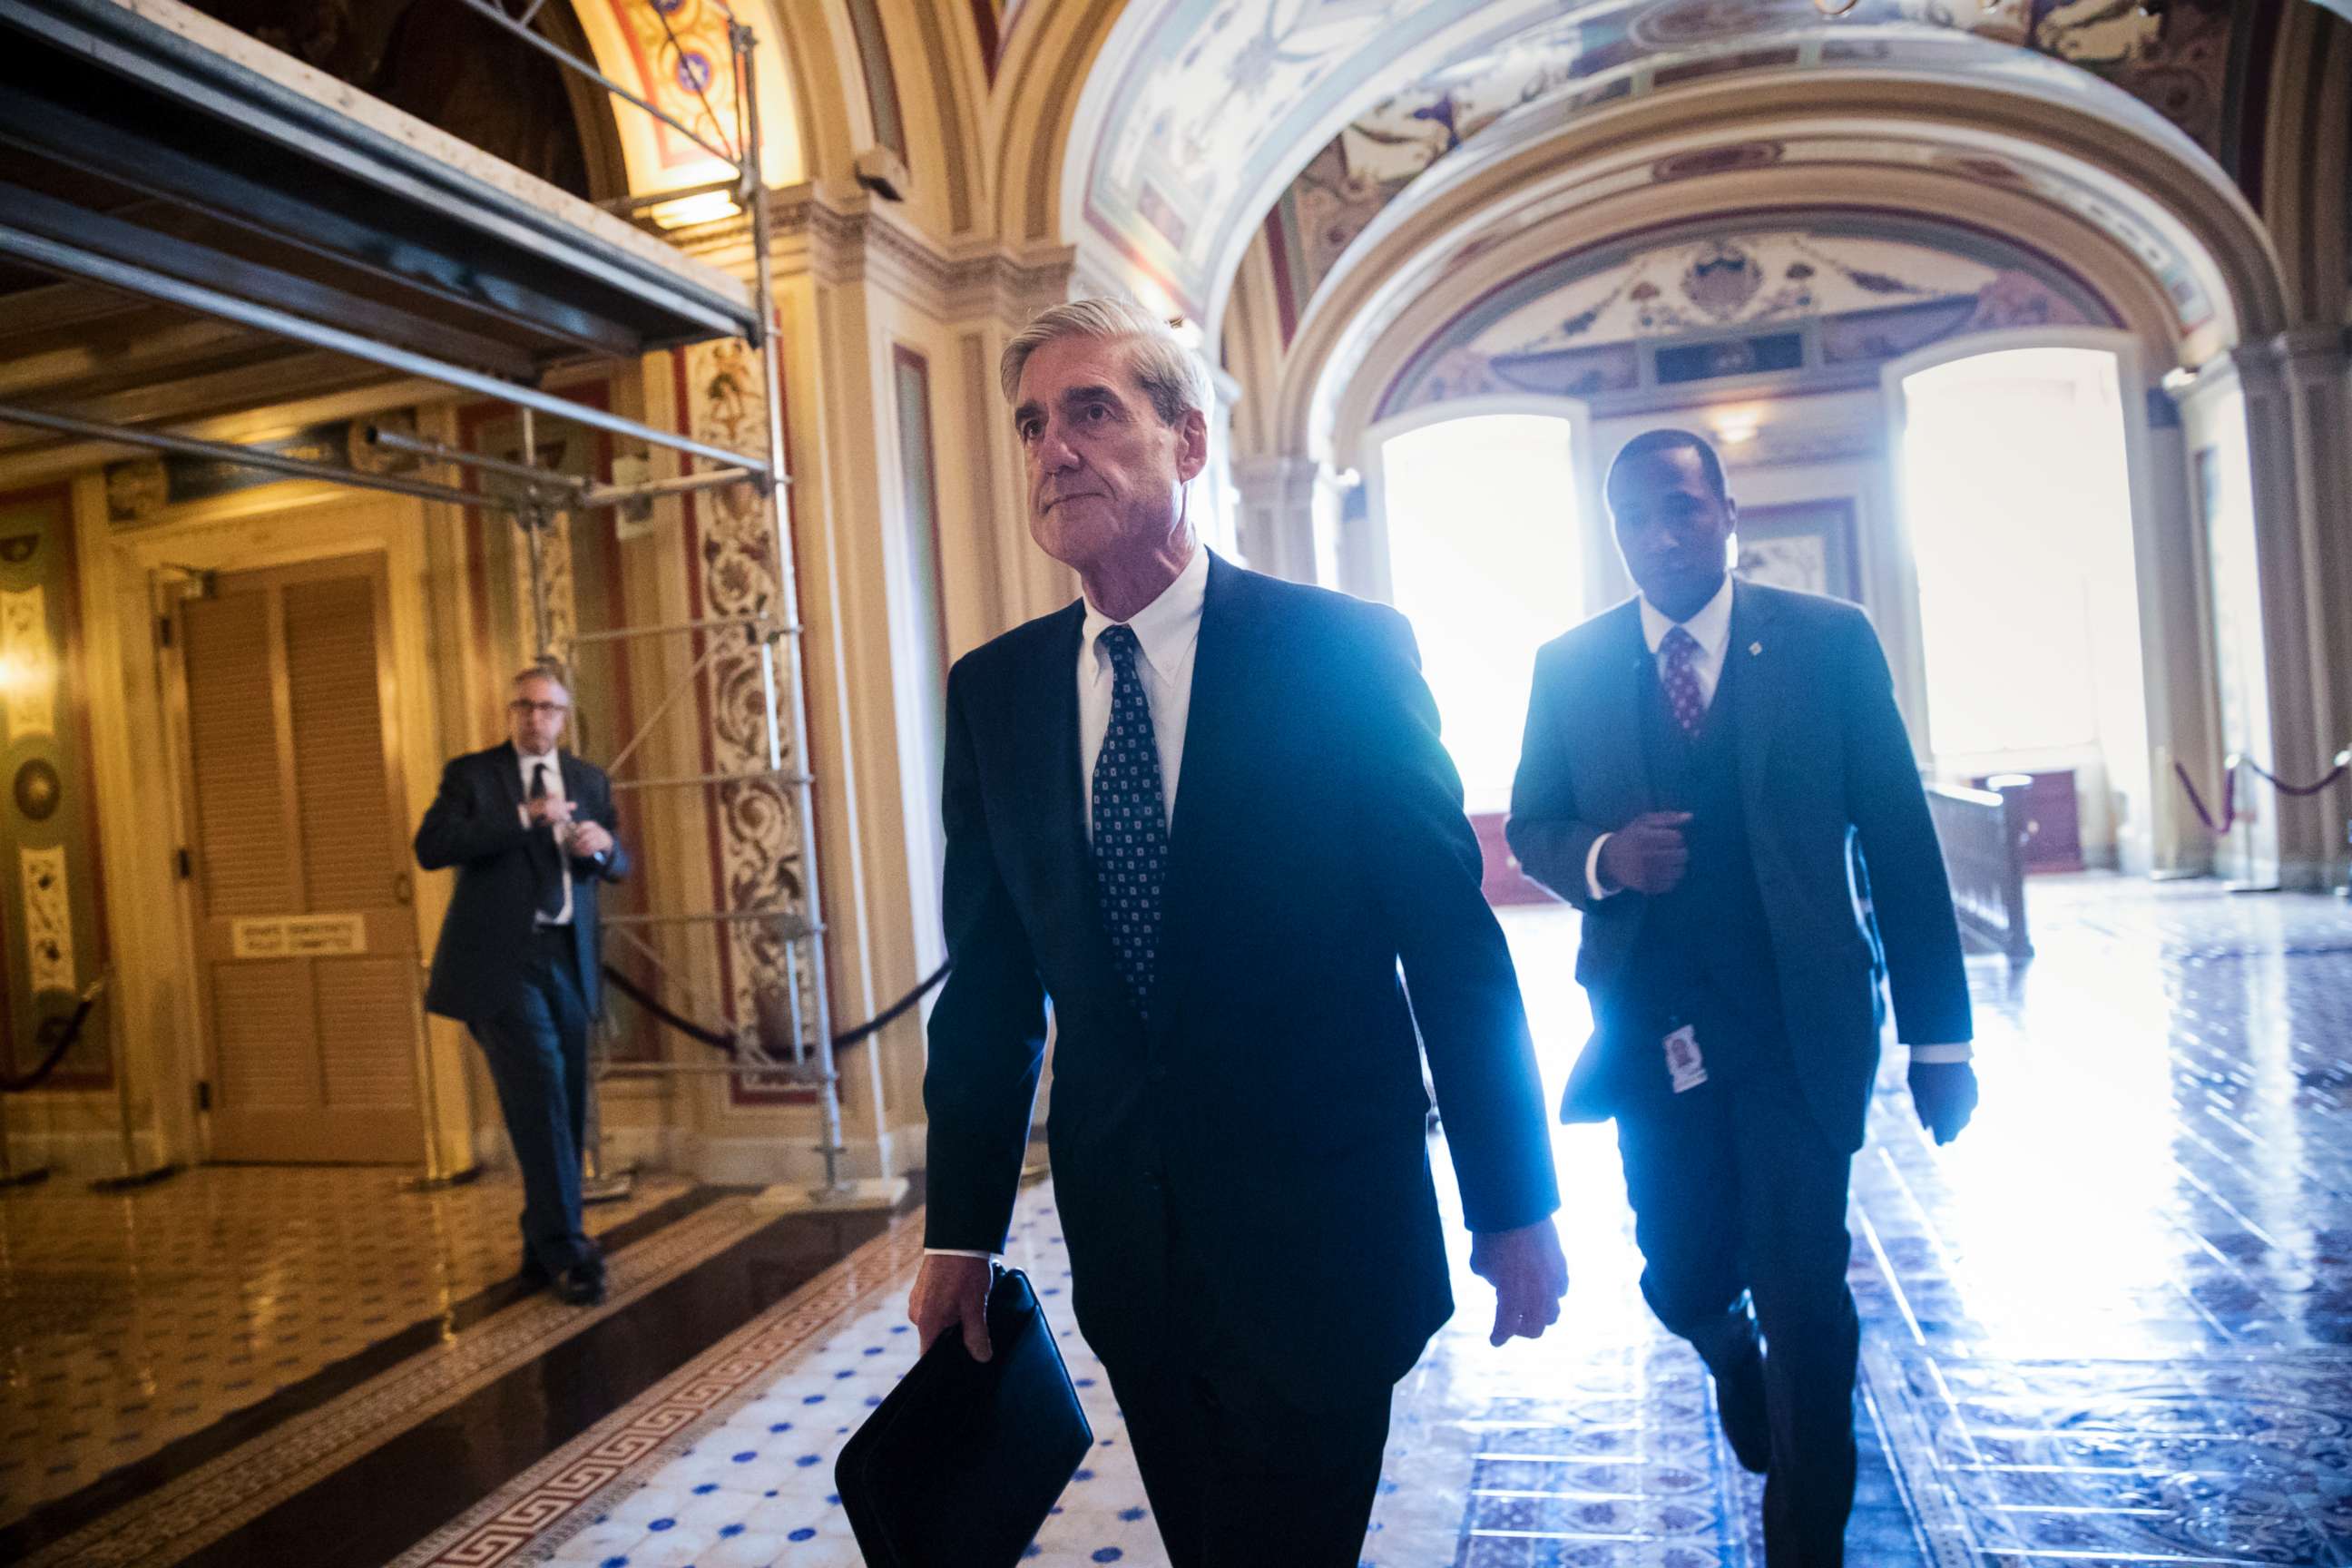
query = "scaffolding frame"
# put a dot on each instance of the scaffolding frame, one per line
(65, 244)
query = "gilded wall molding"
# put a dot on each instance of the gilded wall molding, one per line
(844, 236)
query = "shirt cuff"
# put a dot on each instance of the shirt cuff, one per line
(957, 1252)
(1592, 869)
(1959, 1051)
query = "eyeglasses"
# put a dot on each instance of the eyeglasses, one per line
(546, 709)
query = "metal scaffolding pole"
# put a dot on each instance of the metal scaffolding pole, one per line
(744, 42)
(776, 638)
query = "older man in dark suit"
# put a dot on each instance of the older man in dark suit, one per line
(530, 829)
(1701, 764)
(1206, 814)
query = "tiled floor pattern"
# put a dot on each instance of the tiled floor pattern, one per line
(131, 1319)
(2112, 1325)
(2121, 1305)
(2109, 1327)
(157, 1514)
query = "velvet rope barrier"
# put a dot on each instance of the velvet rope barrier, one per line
(2219, 823)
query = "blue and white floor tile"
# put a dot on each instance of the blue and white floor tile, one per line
(2112, 1325)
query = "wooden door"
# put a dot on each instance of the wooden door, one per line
(306, 946)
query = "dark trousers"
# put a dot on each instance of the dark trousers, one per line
(1237, 1479)
(1238, 1475)
(1739, 1198)
(538, 1056)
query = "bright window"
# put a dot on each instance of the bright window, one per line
(1486, 560)
(2018, 503)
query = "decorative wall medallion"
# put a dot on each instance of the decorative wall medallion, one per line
(27, 670)
(18, 548)
(1737, 158)
(48, 919)
(38, 790)
(136, 489)
(1680, 24)
(1722, 278)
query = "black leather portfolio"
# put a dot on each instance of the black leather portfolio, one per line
(961, 1463)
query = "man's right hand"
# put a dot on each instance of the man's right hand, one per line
(951, 1290)
(547, 808)
(1647, 854)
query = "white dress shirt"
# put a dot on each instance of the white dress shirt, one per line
(1167, 630)
(562, 917)
(1710, 628)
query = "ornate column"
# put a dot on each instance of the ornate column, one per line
(1290, 516)
(2269, 464)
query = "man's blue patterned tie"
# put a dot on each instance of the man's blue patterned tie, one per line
(1130, 823)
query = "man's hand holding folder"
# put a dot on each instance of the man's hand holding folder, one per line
(949, 1289)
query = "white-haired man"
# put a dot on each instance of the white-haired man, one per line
(1206, 815)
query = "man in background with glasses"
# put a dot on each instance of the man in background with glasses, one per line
(530, 829)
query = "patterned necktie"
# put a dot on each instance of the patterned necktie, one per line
(1680, 681)
(1130, 823)
(547, 865)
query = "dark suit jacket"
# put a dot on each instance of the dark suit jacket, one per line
(478, 964)
(1271, 1118)
(1824, 764)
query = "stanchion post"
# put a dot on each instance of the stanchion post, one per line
(132, 1175)
(9, 1175)
(598, 1185)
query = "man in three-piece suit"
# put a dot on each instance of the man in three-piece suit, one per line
(1699, 763)
(531, 830)
(1205, 814)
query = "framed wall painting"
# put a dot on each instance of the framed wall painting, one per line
(1805, 545)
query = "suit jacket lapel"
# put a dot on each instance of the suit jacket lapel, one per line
(1221, 686)
(507, 765)
(575, 776)
(1757, 692)
(1620, 702)
(1051, 769)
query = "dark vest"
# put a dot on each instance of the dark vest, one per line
(1705, 953)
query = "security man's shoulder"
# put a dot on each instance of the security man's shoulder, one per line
(1819, 613)
(1593, 636)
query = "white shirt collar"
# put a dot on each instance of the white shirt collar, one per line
(1166, 627)
(1710, 628)
(530, 759)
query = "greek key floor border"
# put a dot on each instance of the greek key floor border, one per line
(188, 1514)
(559, 1496)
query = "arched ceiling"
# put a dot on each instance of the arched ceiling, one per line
(1840, 294)
(1202, 113)
(675, 54)
(2083, 177)
(2178, 64)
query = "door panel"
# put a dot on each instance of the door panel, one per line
(241, 826)
(307, 948)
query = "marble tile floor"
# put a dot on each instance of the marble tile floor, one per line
(2112, 1325)
(130, 1320)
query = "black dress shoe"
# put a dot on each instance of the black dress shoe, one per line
(533, 1273)
(582, 1285)
(1740, 1396)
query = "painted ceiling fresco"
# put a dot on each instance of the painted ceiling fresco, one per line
(1841, 298)
(1221, 92)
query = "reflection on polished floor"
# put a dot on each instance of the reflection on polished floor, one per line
(137, 1319)
(2112, 1325)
